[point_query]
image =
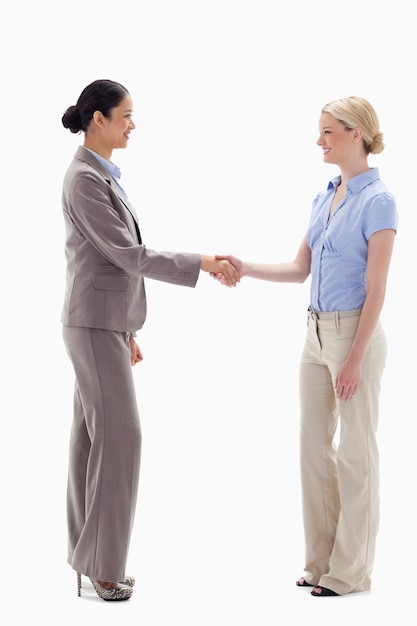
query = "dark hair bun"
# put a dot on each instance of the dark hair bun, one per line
(72, 119)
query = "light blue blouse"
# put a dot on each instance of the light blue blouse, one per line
(339, 245)
(110, 168)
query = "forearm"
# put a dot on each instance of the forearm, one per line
(296, 271)
(275, 272)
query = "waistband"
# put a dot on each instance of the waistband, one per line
(318, 315)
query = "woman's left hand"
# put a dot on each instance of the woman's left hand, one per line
(347, 381)
(136, 355)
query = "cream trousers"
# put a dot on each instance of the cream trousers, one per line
(339, 455)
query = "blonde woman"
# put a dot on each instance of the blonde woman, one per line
(346, 252)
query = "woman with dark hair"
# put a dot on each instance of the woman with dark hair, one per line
(104, 306)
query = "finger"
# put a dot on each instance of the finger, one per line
(346, 393)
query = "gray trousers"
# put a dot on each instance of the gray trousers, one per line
(104, 453)
(339, 468)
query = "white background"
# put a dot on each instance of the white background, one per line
(227, 96)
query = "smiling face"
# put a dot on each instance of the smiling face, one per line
(116, 129)
(105, 134)
(335, 140)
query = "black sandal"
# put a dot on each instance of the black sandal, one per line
(301, 582)
(323, 592)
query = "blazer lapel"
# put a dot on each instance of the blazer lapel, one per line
(84, 154)
(127, 204)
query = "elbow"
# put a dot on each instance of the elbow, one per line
(300, 271)
(303, 277)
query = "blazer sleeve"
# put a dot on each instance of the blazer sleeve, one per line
(101, 218)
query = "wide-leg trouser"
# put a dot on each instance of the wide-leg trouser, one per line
(339, 460)
(104, 453)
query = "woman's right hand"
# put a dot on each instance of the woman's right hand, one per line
(235, 262)
(220, 266)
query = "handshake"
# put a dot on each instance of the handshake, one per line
(227, 269)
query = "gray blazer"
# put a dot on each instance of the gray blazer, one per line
(106, 261)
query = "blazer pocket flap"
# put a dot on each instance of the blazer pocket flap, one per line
(114, 282)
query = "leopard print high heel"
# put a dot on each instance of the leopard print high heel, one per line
(122, 591)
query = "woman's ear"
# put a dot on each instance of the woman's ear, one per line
(98, 118)
(357, 134)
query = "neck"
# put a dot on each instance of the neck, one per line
(99, 149)
(350, 170)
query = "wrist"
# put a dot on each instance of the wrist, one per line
(207, 263)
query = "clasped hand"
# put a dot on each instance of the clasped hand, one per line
(222, 268)
(233, 265)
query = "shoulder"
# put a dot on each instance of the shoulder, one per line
(380, 211)
(85, 161)
(85, 185)
(372, 191)
(379, 196)
(85, 169)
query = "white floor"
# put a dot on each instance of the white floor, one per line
(194, 592)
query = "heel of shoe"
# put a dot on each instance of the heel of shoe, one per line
(79, 583)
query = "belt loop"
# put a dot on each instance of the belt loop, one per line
(336, 318)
